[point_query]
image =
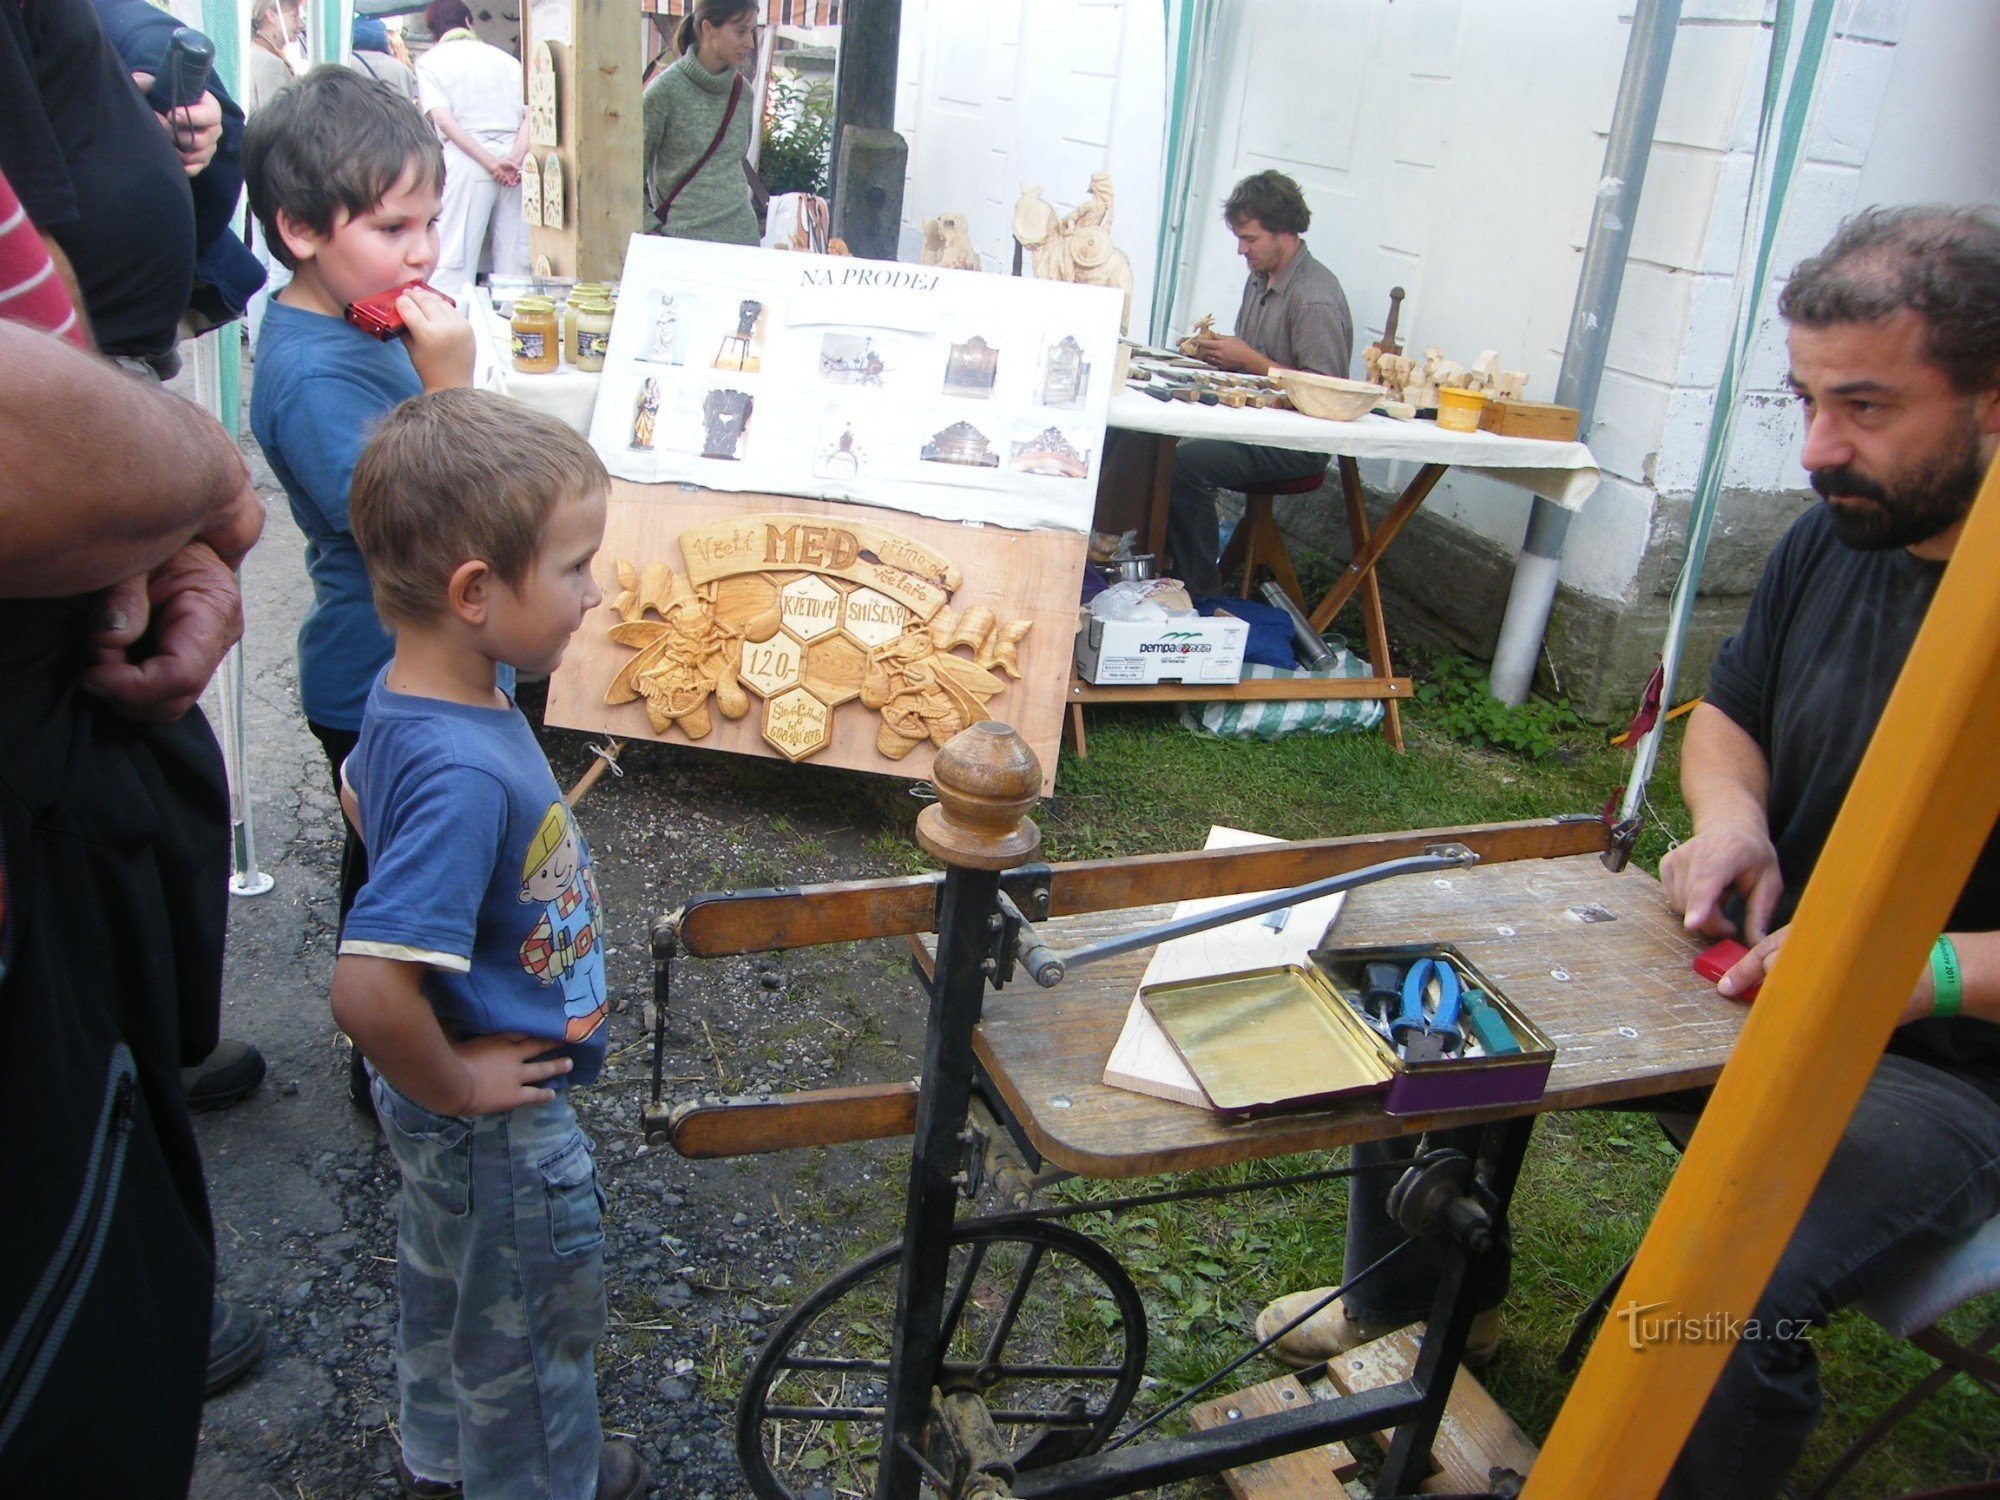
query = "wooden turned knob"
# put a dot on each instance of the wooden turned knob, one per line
(987, 779)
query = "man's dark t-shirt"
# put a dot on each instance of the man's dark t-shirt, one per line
(1808, 677)
(95, 170)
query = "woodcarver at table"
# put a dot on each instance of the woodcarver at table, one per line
(1294, 315)
(1895, 356)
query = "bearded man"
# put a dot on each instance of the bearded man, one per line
(1895, 357)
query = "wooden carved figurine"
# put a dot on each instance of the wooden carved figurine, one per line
(684, 657)
(645, 413)
(948, 243)
(1076, 247)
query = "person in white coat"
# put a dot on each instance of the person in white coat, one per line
(471, 93)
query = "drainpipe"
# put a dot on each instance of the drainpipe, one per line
(1539, 565)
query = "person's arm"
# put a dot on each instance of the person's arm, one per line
(1726, 780)
(380, 1003)
(518, 152)
(448, 127)
(108, 477)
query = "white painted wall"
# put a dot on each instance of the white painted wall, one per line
(1453, 147)
(995, 94)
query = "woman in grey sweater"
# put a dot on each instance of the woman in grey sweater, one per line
(685, 111)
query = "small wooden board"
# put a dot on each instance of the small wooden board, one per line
(1309, 1474)
(1531, 419)
(1012, 576)
(1474, 1438)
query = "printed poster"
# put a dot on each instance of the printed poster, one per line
(955, 394)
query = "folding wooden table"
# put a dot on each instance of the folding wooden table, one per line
(1564, 472)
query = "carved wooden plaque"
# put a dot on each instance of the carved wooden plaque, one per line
(531, 189)
(543, 120)
(814, 630)
(552, 192)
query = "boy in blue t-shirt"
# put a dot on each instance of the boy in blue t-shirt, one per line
(471, 969)
(346, 179)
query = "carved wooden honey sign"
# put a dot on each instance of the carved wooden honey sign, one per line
(808, 615)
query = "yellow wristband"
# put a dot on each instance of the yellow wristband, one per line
(1946, 980)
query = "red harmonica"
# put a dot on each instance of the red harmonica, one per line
(377, 315)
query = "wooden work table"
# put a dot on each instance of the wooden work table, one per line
(1628, 1017)
(1563, 471)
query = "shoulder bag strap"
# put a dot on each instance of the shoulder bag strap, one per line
(735, 93)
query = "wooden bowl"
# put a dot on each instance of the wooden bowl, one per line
(1325, 396)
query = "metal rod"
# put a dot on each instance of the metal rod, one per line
(245, 879)
(1640, 88)
(1421, 864)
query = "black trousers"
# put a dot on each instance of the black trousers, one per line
(115, 843)
(338, 745)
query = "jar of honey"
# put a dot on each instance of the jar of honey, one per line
(583, 291)
(593, 331)
(537, 338)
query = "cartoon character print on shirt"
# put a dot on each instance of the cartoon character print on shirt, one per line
(556, 876)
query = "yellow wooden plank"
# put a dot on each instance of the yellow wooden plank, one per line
(1919, 811)
(1474, 1438)
(1310, 1474)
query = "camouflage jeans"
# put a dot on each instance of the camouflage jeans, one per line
(500, 1273)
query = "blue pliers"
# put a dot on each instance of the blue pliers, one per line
(1425, 1036)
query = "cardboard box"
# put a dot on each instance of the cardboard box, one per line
(1141, 651)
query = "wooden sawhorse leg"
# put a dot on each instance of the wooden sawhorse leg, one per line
(1360, 574)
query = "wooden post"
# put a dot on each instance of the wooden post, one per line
(865, 87)
(1919, 811)
(598, 64)
(868, 205)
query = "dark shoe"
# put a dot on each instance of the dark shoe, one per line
(424, 1489)
(620, 1475)
(230, 1073)
(235, 1344)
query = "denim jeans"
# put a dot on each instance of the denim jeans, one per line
(1917, 1170)
(500, 1276)
(1201, 467)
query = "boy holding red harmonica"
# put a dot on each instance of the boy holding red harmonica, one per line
(346, 179)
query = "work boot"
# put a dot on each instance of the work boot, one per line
(230, 1073)
(620, 1475)
(1330, 1331)
(235, 1344)
(419, 1488)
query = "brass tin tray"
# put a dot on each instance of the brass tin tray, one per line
(1287, 1037)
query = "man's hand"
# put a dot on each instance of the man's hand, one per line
(1227, 353)
(165, 635)
(1698, 875)
(232, 531)
(440, 339)
(499, 1075)
(195, 129)
(506, 173)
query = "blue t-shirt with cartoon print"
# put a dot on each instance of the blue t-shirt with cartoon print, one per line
(477, 870)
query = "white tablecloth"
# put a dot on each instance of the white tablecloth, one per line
(1565, 472)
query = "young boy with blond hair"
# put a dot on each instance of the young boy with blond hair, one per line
(471, 970)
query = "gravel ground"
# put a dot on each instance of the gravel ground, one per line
(702, 1257)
